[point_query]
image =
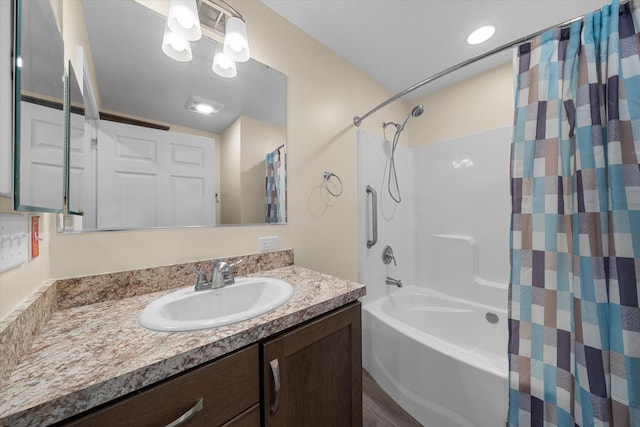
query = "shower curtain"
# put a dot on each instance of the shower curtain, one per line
(275, 186)
(574, 321)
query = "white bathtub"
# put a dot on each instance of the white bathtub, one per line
(438, 357)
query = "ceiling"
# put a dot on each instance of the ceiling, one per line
(401, 42)
(136, 79)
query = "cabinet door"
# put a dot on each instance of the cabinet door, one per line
(217, 392)
(312, 376)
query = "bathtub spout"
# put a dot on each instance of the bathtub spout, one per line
(394, 282)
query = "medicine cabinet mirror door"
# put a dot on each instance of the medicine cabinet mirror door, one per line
(39, 118)
(157, 163)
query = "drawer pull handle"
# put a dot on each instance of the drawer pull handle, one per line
(187, 415)
(275, 372)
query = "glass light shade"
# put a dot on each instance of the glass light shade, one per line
(223, 65)
(183, 19)
(236, 44)
(176, 47)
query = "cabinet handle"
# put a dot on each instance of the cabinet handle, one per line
(187, 415)
(275, 372)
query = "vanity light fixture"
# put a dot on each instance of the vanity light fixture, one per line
(175, 47)
(236, 45)
(222, 64)
(481, 35)
(183, 19)
(187, 21)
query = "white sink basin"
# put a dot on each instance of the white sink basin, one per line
(188, 310)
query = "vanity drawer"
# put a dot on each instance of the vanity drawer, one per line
(228, 387)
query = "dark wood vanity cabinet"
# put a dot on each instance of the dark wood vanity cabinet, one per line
(312, 375)
(228, 389)
(319, 375)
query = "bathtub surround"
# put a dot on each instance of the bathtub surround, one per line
(18, 330)
(574, 306)
(454, 269)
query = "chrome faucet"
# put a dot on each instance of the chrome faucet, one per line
(394, 282)
(221, 275)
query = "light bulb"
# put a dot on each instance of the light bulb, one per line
(204, 108)
(177, 43)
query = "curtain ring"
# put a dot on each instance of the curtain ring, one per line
(327, 176)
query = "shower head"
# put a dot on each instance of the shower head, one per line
(415, 112)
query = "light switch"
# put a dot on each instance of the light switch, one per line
(13, 241)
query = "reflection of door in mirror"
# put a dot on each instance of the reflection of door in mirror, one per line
(41, 153)
(39, 137)
(154, 178)
(5, 99)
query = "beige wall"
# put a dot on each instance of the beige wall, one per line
(17, 284)
(324, 92)
(478, 104)
(230, 210)
(74, 33)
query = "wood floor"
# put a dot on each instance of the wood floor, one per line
(379, 410)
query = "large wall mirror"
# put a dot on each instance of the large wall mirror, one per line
(39, 127)
(150, 160)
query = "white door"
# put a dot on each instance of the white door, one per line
(81, 173)
(41, 156)
(154, 178)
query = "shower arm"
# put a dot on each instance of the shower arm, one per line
(357, 120)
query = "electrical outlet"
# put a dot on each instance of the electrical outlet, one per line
(270, 243)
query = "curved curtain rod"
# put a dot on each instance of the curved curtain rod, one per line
(357, 120)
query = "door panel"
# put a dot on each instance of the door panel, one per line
(153, 178)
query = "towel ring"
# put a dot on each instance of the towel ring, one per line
(327, 176)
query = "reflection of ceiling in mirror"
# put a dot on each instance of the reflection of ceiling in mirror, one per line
(136, 78)
(42, 51)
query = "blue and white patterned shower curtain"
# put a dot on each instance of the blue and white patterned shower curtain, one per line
(574, 318)
(276, 188)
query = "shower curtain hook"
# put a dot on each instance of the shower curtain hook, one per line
(327, 176)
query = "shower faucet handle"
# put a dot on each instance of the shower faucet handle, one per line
(387, 256)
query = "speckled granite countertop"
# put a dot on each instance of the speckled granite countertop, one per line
(88, 355)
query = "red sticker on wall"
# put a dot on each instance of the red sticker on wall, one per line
(35, 236)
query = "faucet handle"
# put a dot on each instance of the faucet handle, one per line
(202, 282)
(236, 263)
(388, 256)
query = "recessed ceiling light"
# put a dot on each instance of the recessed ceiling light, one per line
(481, 35)
(203, 106)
